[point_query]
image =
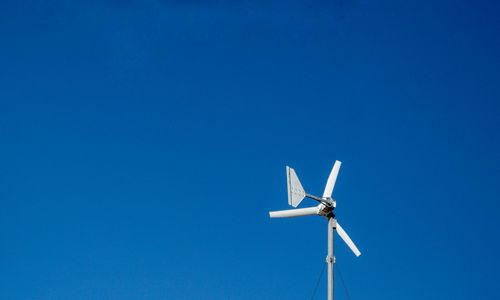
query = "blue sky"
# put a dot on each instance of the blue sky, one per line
(144, 142)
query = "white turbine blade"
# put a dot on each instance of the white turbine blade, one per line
(347, 240)
(295, 190)
(291, 213)
(331, 180)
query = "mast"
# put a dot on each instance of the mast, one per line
(330, 259)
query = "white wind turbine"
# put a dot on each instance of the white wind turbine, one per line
(325, 208)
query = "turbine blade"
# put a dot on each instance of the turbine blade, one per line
(347, 240)
(331, 180)
(291, 213)
(295, 190)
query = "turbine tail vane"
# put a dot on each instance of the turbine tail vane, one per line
(295, 190)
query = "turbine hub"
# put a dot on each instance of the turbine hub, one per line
(325, 210)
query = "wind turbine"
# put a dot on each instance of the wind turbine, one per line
(296, 194)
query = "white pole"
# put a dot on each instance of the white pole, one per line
(330, 259)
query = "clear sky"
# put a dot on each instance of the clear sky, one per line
(142, 144)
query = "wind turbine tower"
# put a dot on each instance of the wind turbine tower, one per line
(327, 204)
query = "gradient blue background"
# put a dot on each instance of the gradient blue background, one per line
(143, 143)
